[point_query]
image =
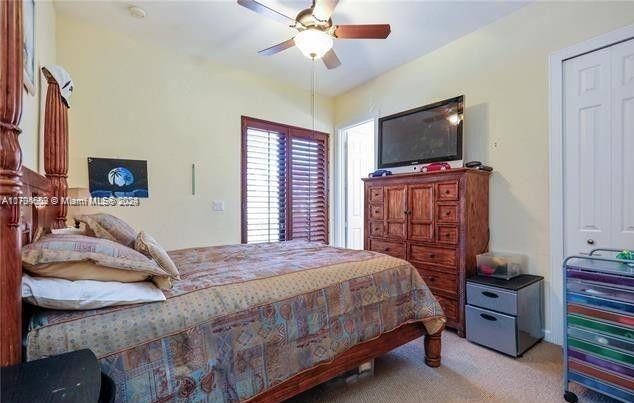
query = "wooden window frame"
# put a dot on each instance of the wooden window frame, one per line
(290, 132)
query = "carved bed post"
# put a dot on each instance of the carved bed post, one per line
(10, 182)
(432, 348)
(56, 146)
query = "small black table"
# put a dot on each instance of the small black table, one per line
(70, 377)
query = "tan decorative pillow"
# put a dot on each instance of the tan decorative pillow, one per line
(107, 226)
(86, 270)
(162, 282)
(59, 248)
(147, 245)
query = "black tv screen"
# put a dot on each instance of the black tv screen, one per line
(431, 133)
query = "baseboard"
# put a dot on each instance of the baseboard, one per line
(553, 338)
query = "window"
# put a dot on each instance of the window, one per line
(284, 183)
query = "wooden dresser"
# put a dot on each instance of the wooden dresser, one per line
(439, 222)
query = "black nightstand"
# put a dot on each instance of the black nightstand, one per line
(70, 377)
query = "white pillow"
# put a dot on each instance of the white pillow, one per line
(57, 293)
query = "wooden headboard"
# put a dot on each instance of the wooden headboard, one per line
(20, 219)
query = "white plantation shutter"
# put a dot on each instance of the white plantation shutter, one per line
(284, 183)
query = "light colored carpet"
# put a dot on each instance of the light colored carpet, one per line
(469, 373)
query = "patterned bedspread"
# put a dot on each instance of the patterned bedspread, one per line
(242, 319)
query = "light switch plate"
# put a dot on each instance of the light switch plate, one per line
(218, 205)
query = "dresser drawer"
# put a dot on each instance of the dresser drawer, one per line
(492, 298)
(389, 248)
(447, 234)
(449, 307)
(376, 194)
(377, 228)
(447, 213)
(376, 212)
(445, 282)
(491, 329)
(439, 256)
(447, 190)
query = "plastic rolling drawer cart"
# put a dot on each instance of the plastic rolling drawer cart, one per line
(599, 325)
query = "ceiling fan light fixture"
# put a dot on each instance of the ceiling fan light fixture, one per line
(313, 43)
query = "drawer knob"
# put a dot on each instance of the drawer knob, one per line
(387, 248)
(448, 213)
(490, 294)
(432, 255)
(590, 241)
(447, 191)
(488, 317)
(432, 278)
(447, 235)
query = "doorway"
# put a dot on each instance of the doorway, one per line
(358, 160)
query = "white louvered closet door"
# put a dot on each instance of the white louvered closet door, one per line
(599, 149)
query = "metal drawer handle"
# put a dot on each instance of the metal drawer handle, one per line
(488, 317)
(490, 294)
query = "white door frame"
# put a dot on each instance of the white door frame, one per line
(341, 174)
(556, 185)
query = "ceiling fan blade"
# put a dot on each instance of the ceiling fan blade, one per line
(323, 9)
(277, 48)
(267, 12)
(331, 60)
(369, 31)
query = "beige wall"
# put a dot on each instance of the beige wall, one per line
(45, 54)
(139, 101)
(502, 70)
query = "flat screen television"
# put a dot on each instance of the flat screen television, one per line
(431, 133)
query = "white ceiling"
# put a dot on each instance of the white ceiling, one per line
(232, 35)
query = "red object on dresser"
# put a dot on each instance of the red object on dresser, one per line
(436, 166)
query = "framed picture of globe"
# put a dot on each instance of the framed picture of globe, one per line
(109, 177)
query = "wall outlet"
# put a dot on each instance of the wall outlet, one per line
(218, 205)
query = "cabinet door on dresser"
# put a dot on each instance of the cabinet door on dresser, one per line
(395, 206)
(421, 212)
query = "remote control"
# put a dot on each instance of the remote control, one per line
(473, 164)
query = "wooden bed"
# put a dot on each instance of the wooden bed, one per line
(19, 223)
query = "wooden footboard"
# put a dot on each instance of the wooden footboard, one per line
(353, 358)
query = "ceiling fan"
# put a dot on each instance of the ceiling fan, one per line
(316, 30)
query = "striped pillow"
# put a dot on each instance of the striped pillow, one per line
(57, 248)
(147, 245)
(109, 227)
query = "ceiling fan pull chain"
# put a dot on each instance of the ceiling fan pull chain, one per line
(310, 177)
